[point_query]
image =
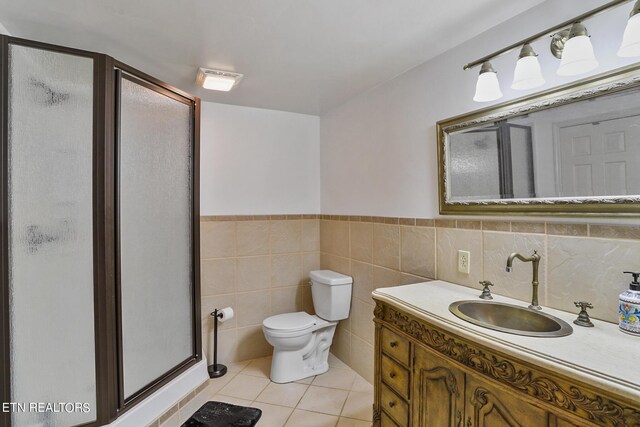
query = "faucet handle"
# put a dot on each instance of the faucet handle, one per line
(583, 317)
(583, 304)
(486, 292)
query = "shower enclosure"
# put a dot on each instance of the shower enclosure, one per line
(99, 234)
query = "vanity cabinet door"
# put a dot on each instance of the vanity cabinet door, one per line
(438, 391)
(490, 406)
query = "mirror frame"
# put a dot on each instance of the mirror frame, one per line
(602, 84)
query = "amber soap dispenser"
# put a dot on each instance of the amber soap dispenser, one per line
(629, 307)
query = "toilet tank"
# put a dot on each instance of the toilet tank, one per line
(331, 293)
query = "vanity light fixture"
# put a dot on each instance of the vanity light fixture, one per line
(631, 40)
(527, 74)
(570, 43)
(487, 86)
(217, 80)
(577, 54)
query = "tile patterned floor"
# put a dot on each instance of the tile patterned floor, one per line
(338, 398)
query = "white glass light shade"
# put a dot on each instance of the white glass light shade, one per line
(487, 88)
(218, 82)
(631, 40)
(577, 57)
(527, 74)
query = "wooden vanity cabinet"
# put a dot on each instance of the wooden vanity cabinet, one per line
(438, 391)
(426, 377)
(487, 405)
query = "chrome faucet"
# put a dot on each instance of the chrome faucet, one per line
(535, 260)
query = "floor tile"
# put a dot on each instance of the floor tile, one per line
(244, 387)
(311, 419)
(336, 378)
(236, 367)
(348, 422)
(359, 406)
(338, 398)
(288, 394)
(307, 380)
(258, 368)
(362, 385)
(193, 405)
(272, 415)
(231, 400)
(215, 384)
(334, 362)
(322, 399)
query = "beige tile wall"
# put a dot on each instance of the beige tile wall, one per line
(579, 262)
(260, 267)
(376, 255)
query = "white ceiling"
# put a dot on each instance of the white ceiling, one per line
(305, 56)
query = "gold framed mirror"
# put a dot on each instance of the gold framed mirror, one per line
(573, 150)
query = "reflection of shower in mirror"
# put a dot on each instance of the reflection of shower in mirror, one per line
(587, 148)
(37, 237)
(482, 143)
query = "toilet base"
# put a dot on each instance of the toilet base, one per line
(294, 365)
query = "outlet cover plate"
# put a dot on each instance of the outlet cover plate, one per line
(464, 262)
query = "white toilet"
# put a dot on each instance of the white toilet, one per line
(301, 341)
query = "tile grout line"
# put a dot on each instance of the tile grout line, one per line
(400, 249)
(258, 255)
(546, 270)
(435, 252)
(270, 269)
(482, 234)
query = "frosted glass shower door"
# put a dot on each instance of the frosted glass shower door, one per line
(50, 234)
(155, 228)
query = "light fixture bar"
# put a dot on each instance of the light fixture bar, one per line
(546, 32)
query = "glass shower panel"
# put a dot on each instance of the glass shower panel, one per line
(474, 171)
(52, 346)
(155, 161)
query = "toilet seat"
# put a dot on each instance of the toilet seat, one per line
(290, 322)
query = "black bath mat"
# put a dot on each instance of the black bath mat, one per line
(218, 414)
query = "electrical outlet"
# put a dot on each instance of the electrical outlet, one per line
(464, 262)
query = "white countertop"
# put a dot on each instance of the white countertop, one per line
(601, 354)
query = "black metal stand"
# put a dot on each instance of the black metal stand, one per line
(217, 369)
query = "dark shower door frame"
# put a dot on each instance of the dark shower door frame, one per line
(505, 163)
(123, 71)
(110, 401)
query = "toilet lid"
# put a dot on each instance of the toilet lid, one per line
(290, 321)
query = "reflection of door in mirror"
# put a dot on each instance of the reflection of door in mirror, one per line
(596, 159)
(492, 162)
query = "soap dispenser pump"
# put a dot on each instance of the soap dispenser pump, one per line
(629, 308)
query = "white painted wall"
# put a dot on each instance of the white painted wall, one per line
(3, 30)
(378, 151)
(256, 161)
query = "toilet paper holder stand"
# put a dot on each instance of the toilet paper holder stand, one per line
(217, 369)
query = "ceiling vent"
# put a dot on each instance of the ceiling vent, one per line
(218, 80)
